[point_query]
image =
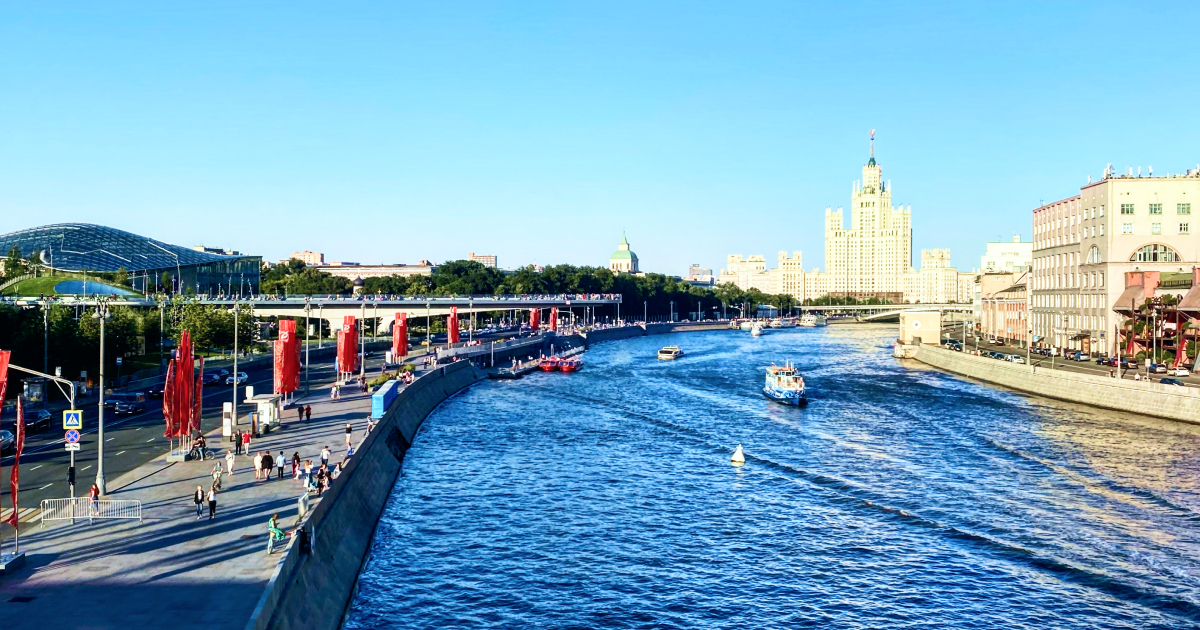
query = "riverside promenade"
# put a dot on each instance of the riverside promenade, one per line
(172, 570)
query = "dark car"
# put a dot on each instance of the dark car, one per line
(1170, 381)
(8, 441)
(212, 378)
(39, 421)
(155, 391)
(127, 404)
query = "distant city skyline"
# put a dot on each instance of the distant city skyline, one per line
(392, 134)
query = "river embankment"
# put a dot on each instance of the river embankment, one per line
(1143, 397)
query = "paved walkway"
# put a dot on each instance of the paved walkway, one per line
(186, 572)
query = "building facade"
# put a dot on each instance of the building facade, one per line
(1007, 256)
(1004, 312)
(355, 271)
(311, 259)
(623, 260)
(487, 260)
(1083, 246)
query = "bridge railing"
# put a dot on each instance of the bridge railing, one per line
(83, 507)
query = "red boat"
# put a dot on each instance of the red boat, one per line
(570, 365)
(549, 364)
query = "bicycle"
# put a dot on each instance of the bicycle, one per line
(202, 453)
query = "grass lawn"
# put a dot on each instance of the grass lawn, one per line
(34, 287)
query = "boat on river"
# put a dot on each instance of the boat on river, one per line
(812, 320)
(756, 330)
(670, 352)
(785, 385)
(570, 365)
(549, 364)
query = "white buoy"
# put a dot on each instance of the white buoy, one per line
(738, 456)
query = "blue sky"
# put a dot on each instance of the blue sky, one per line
(391, 132)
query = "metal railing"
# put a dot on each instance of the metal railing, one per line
(83, 507)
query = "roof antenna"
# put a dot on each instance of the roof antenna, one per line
(872, 143)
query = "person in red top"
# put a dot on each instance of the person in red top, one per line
(246, 441)
(94, 498)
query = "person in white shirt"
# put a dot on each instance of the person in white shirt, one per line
(325, 456)
(257, 466)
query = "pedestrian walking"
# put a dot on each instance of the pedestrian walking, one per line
(216, 475)
(198, 499)
(295, 465)
(258, 464)
(300, 413)
(246, 442)
(280, 463)
(237, 441)
(268, 464)
(349, 432)
(94, 498)
(212, 503)
(325, 456)
(229, 462)
(333, 392)
(307, 413)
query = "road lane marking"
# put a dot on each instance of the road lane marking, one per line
(85, 467)
(45, 486)
(151, 439)
(110, 439)
(36, 467)
(118, 453)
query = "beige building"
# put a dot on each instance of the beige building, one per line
(1011, 256)
(312, 259)
(355, 271)
(1004, 312)
(1083, 246)
(487, 260)
(623, 260)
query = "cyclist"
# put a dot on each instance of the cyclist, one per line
(274, 534)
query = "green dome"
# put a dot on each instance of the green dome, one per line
(622, 254)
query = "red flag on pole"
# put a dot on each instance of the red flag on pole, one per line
(16, 467)
(197, 407)
(400, 336)
(169, 400)
(4, 354)
(348, 345)
(554, 318)
(280, 359)
(535, 318)
(184, 385)
(452, 325)
(287, 358)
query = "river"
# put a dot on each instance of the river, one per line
(899, 497)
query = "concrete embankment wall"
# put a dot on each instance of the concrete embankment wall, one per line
(1147, 398)
(626, 332)
(312, 591)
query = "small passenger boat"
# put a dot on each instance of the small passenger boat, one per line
(812, 320)
(549, 364)
(756, 330)
(570, 365)
(670, 352)
(785, 385)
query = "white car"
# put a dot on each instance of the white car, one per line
(1179, 371)
(1017, 358)
(242, 377)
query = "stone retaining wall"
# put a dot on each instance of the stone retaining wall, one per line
(1152, 399)
(312, 591)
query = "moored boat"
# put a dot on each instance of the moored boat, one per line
(670, 352)
(785, 385)
(756, 330)
(549, 364)
(570, 365)
(812, 320)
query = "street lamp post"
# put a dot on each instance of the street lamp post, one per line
(362, 342)
(645, 310)
(307, 328)
(235, 362)
(102, 314)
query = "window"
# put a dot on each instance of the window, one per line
(1183, 208)
(1155, 253)
(1156, 228)
(1127, 228)
(1093, 255)
(1126, 208)
(1101, 210)
(1183, 228)
(1101, 234)
(1156, 208)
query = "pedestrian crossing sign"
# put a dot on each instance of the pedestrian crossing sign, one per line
(72, 419)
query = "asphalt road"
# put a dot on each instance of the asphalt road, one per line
(129, 441)
(1059, 363)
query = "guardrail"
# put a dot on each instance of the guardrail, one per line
(83, 507)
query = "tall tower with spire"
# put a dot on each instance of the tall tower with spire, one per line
(869, 258)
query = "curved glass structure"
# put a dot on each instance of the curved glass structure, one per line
(1156, 253)
(82, 247)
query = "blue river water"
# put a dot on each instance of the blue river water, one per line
(900, 497)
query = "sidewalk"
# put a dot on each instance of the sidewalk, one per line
(174, 570)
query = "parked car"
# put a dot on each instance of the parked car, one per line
(7, 441)
(1082, 356)
(1103, 361)
(242, 377)
(40, 421)
(1179, 371)
(1170, 381)
(1126, 364)
(1016, 358)
(1158, 368)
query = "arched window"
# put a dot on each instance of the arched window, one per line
(1093, 255)
(1155, 253)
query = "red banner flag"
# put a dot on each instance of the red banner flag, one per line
(554, 318)
(535, 318)
(198, 406)
(4, 354)
(400, 337)
(16, 467)
(452, 325)
(280, 359)
(348, 345)
(291, 356)
(297, 366)
(184, 385)
(169, 400)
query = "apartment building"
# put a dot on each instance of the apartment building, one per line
(1083, 246)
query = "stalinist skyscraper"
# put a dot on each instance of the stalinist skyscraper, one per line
(869, 259)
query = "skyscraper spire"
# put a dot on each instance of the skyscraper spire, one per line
(871, 162)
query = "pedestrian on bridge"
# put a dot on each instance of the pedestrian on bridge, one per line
(229, 462)
(307, 413)
(216, 475)
(300, 413)
(279, 462)
(258, 464)
(198, 499)
(212, 502)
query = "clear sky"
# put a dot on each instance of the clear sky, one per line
(395, 131)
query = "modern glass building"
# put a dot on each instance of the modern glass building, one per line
(83, 247)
